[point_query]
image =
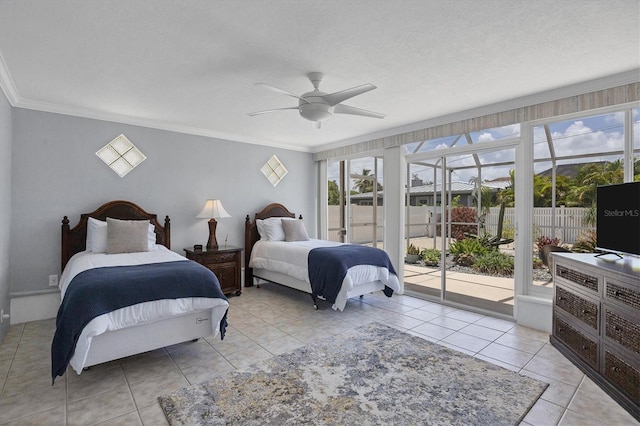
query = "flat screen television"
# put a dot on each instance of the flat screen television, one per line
(618, 218)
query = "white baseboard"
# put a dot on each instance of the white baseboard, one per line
(34, 306)
(535, 312)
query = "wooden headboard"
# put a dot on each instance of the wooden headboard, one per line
(74, 240)
(251, 234)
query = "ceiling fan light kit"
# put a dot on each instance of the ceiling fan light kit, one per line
(317, 106)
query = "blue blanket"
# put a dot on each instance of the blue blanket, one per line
(98, 291)
(329, 265)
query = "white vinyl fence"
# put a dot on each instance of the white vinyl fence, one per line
(570, 222)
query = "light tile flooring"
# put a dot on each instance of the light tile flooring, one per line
(265, 322)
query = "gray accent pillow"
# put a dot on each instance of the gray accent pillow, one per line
(294, 230)
(127, 236)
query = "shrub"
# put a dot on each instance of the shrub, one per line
(465, 259)
(431, 257)
(494, 263)
(543, 240)
(586, 243)
(413, 249)
(508, 231)
(465, 251)
(466, 215)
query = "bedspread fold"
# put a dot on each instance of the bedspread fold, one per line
(329, 265)
(100, 290)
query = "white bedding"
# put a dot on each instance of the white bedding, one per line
(290, 258)
(142, 313)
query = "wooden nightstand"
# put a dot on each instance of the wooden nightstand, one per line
(225, 263)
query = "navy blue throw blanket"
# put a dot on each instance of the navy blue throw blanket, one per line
(328, 266)
(98, 291)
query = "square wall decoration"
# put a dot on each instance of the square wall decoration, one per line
(274, 170)
(121, 155)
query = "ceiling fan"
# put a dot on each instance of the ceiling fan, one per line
(317, 106)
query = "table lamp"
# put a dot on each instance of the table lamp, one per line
(213, 210)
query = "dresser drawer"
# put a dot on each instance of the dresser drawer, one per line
(622, 292)
(584, 280)
(622, 373)
(579, 307)
(622, 329)
(583, 345)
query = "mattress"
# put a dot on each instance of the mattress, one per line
(291, 258)
(142, 313)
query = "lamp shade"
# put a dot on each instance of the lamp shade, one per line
(213, 210)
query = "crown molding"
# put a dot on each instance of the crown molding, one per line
(7, 84)
(615, 80)
(153, 124)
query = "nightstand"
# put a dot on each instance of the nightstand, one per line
(224, 262)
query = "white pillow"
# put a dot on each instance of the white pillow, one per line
(152, 237)
(270, 229)
(97, 236)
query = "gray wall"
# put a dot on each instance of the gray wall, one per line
(6, 137)
(56, 173)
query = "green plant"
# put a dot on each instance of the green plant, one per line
(586, 243)
(509, 231)
(431, 257)
(537, 263)
(465, 251)
(413, 249)
(465, 259)
(494, 263)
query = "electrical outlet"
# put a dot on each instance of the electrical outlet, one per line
(53, 280)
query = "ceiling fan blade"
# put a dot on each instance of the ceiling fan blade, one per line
(343, 95)
(270, 110)
(345, 109)
(281, 91)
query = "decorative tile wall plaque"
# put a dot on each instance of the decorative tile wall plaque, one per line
(274, 170)
(121, 155)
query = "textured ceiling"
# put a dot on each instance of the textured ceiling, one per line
(191, 66)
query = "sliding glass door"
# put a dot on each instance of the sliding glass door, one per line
(460, 218)
(355, 201)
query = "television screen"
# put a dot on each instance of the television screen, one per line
(618, 218)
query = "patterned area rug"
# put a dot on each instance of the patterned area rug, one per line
(372, 375)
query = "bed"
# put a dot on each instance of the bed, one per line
(162, 315)
(294, 260)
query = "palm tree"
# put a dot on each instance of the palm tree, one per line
(364, 184)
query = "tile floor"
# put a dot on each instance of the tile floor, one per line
(265, 322)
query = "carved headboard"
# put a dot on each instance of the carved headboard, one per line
(251, 234)
(74, 240)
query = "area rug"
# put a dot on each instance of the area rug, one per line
(371, 375)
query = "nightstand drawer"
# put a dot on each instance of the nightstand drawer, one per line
(221, 257)
(224, 263)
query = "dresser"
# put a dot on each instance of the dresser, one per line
(225, 263)
(596, 321)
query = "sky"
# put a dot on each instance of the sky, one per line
(597, 134)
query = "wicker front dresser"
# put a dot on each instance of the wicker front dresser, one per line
(596, 321)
